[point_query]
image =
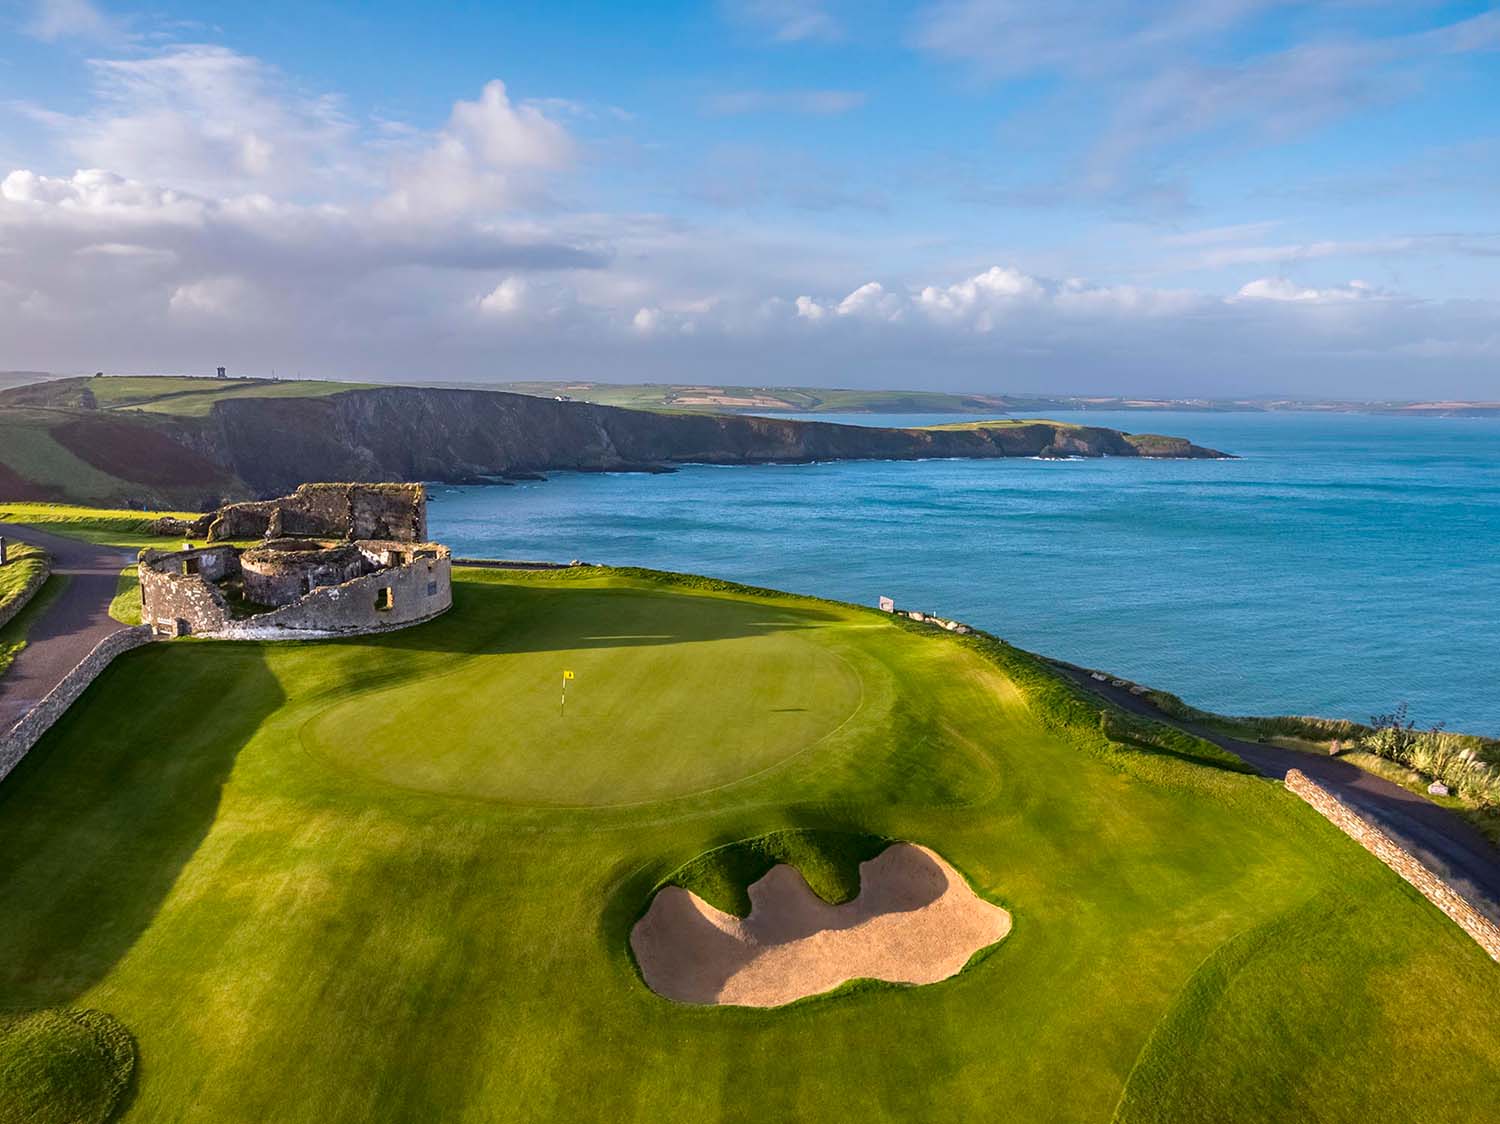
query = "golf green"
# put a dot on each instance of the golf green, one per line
(383, 879)
(646, 715)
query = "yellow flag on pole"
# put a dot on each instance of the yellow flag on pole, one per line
(567, 675)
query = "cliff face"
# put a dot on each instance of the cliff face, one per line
(409, 433)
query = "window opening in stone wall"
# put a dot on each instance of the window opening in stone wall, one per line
(432, 589)
(385, 599)
(190, 565)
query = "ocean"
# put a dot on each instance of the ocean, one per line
(1344, 564)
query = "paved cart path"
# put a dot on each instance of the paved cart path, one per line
(71, 625)
(1444, 840)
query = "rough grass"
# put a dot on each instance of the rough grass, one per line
(296, 939)
(828, 860)
(63, 1067)
(25, 563)
(125, 606)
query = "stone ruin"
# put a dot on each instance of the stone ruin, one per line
(322, 511)
(334, 560)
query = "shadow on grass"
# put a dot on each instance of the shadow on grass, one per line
(99, 820)
(495, 618)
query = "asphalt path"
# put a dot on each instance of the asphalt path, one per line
(74, 621)
(1446, 842)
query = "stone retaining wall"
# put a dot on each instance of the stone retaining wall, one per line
(1484, 931)
(28, 591)
(16, 743)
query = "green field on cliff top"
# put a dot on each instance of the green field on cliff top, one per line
(391, 879)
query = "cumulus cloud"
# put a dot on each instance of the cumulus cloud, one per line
(489, 155)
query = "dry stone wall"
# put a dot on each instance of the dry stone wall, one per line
(17, 742)
(1484, 931)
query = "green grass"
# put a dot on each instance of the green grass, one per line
(25, 562)
(123, 528)
(169, 394)
(828, 860)
(27, 448)
(761, 399)
(63, 1067)
(125, 606)
(307, 905)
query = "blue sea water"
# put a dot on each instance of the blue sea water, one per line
(1345, 563)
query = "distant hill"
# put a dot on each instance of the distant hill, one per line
(707, 398)
(191, 442)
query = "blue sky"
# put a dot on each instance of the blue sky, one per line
(1217, 198)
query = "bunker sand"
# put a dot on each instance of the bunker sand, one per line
(915, 921)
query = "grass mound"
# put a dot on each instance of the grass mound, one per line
(829, 860)
(63, 1066)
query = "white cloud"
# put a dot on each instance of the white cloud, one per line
(505, 299)
(1280, 289)
(646, 320)
(213, 296)
(55, 20)
(206, 118)
(489, 155)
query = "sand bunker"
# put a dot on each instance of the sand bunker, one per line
(915, 921)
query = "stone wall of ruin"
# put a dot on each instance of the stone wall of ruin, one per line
(333, 511)
(17, 742)
(177, 603)
(417, 591)
(1484, 931)
(280, 577)
(170, 595)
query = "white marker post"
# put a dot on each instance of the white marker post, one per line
(562, 709)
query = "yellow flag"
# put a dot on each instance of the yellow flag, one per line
(567, 675)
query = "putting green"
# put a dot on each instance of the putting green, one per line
(672, 695)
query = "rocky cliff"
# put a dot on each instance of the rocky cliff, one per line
(407, 433)
(244, 447)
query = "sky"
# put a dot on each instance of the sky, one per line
(1212, 198)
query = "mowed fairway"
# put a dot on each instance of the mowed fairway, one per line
(384, 880)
